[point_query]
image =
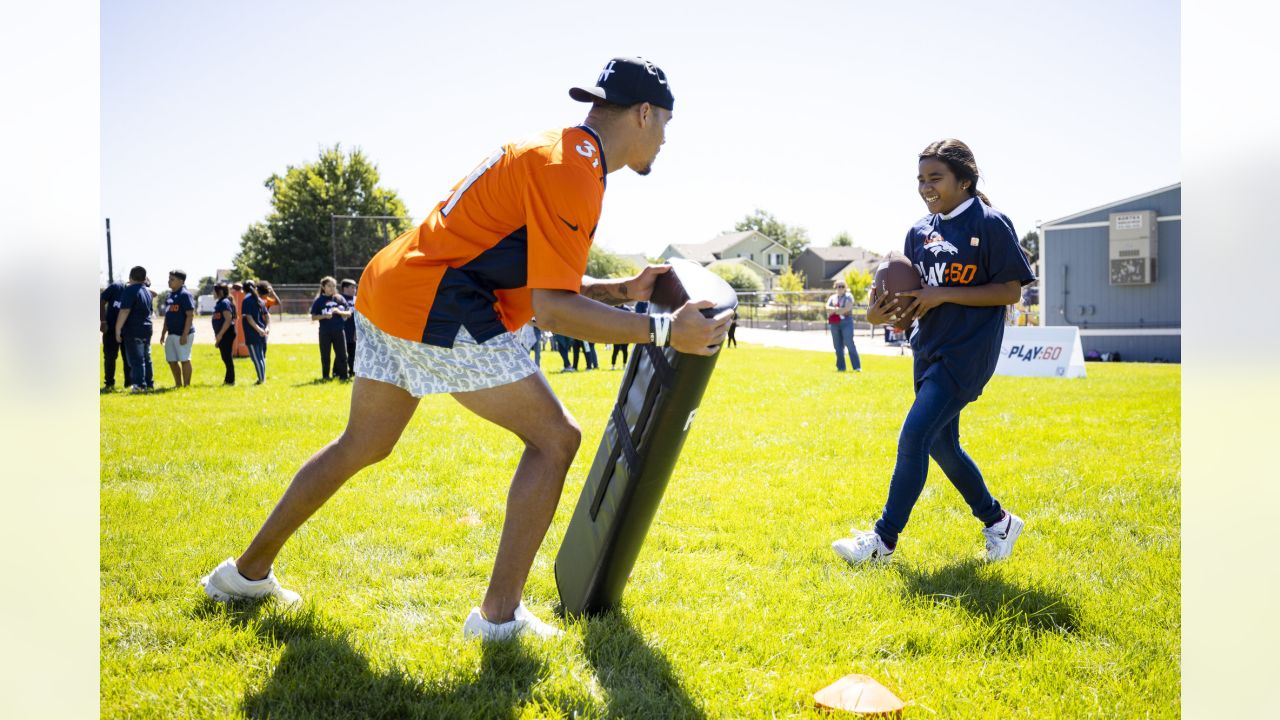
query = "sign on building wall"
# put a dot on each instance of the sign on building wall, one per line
(1052, 351)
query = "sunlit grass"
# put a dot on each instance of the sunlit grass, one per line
(737, 607)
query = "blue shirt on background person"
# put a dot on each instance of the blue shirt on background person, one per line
(137, 299)
(175, 313)
(253, 308)
(111, 296)
(223, 311)
(325, 305)
(350, 321)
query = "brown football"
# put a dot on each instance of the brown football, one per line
(896, 274)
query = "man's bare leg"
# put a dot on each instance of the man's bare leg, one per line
(186, 373)
(551, 437)
(379, 414)
(176, 369)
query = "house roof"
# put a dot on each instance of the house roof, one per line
(1090, 211)
(750, 264)
(834, 253)
(868, 264)
(709, 251)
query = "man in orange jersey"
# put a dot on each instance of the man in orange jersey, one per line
(440, 310)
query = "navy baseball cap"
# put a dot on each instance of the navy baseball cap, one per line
(627, 81)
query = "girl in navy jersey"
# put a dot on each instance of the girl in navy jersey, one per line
(224, 330)
(971, 267)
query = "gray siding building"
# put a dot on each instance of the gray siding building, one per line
(1115, 271)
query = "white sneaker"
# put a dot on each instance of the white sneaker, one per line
(524, 623)
(1001, 536)
(226, 583)
(864, 546)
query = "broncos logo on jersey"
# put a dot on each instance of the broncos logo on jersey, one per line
(937, 245)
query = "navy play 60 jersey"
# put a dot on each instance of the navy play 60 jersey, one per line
(976, 246)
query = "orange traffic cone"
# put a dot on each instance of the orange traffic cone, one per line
(859, 694)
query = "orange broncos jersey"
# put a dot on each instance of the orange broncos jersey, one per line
(523, 219)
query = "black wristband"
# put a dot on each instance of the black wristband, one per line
(653, 330)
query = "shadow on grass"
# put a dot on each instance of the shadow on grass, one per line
(321, 675)
(976, 587)
(322, 381)
(637, 679)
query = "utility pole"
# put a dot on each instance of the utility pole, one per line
(111, 276)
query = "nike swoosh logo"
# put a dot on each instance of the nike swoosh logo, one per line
(571, 225)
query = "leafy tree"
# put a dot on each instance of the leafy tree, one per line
(205, 287)
(738, 277)
(842, 240)
(859, 282)
(792, 237)
(603, 264)
(1031, 243)
(789, 282)
(295, 243)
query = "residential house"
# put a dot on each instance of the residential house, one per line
(752, 246)
(823, 265)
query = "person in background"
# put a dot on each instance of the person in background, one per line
(535, 335)
(133, 329)
(613, 361)
(331, 311)
(178, 331)
(731, 341)
(108, 311)
(224, 330)
(840, 320)
(268, 295)
(562, 344)
(257, 325)
(348, 290)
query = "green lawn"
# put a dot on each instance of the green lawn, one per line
(737, 606)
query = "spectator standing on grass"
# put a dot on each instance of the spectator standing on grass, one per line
(224, 330)
(562, 344)
(971, 267)
(133, 329)
(348, 289)
(331, 310)
(257, 325)
(840, 320)
(108, 312)
(536, 347)
(178, 333)
(732, 341)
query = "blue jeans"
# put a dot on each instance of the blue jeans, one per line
(138, 351)
(932, 429)
(842, 338)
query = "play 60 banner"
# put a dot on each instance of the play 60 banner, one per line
(1052, 351)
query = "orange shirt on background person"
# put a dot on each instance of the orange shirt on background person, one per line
(524, 219)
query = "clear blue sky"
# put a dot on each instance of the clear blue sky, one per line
(813, 111)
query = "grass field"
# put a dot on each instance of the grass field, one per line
(737, 607)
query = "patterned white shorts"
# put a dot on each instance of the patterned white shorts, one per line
(423, 369)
